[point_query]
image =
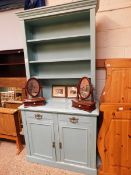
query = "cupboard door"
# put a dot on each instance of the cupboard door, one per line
(118, 143)
(7, 124)
(41, 138)
(75, 142)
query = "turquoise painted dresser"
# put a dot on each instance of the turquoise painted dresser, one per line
(59, 50)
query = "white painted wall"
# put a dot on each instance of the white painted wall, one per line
(10, 31)
(113, 33)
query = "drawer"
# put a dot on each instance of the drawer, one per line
(39, 115)
(75, 118)
(124, 114)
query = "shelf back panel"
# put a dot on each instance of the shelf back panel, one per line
(59, 70)
(47, 85)
(60, 30)
(61, 50)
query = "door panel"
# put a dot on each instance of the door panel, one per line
(41, 137)
(76, 143)
(118, 143)
(7, 124)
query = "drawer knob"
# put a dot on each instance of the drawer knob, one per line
(120, 109)
(73, 120)
(38, 116)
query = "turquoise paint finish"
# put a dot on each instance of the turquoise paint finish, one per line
(60, 49)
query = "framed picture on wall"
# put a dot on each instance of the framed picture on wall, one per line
(71, 91)
(59, 91)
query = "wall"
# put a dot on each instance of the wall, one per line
(113, 26)
(10, 31)
(113, 31)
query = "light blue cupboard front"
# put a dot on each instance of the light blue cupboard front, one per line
(41, 135)
(76, 139)
(61, 140)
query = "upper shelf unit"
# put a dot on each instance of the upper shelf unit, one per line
(60, 41)
(59, 27)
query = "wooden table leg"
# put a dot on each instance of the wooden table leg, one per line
(19, 144)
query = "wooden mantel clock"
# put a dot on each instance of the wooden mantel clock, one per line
(33, 91)
(84, 100)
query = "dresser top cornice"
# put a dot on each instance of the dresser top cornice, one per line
(57, 9)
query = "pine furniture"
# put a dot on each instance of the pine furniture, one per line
(114, 138)
(12, 74)
(9, 126)
(15, 105)
(59, 50)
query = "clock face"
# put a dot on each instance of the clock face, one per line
(33, 87)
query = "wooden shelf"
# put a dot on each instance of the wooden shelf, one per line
(60, 70)
(10, 52)
(12, 82)
(38, 41)
(59, 60)
(11, 64)
(62, 77)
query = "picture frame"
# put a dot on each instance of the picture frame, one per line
(71, 91)
(59, 91)
(18, 94)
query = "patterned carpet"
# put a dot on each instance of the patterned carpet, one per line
(12, 164)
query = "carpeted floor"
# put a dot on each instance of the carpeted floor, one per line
(12, 164)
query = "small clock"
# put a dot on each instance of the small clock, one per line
(33, 91)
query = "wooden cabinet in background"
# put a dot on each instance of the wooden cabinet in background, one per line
(114, 138)
(15, 105)
(10, 127)
(12, 74)
(12, 63)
